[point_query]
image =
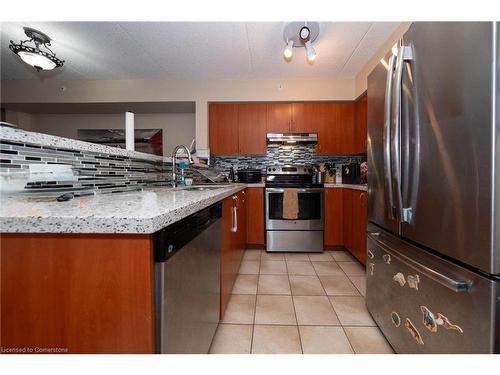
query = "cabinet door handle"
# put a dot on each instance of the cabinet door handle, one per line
(234, 219)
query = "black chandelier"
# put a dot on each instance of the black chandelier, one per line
(34, 55)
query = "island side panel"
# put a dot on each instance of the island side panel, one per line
(84, 293)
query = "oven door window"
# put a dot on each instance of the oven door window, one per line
(309, 206)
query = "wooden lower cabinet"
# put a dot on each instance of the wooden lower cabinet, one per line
(77, 293)
(334, 230)
(355, 220)
(255, 217)
(233, 243)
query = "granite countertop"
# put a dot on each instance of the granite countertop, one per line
(362, 187)
(144, 211)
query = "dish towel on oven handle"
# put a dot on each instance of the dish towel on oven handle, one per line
(290, 204)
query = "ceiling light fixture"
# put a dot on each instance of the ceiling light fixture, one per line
(35, 56)
(300, 34)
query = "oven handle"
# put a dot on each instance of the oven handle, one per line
(306, 190)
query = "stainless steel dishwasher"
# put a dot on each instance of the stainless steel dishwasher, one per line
(187, 282)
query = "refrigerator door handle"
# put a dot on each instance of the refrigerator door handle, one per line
(403, 214)
(387, 136)
(440, 277)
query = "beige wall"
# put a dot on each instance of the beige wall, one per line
(178, 128)
(361, 78)
(202, 92)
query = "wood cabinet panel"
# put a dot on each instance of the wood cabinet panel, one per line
(223, 129)
(361, 125)
(334, 214)
(255, 216)
(348, 216)
(345, 119)
(308, 117)
(86, 293)
(332, 139)
(361, 222)
(279, 117)
(355, 219)
(252, 127)
(232, 245)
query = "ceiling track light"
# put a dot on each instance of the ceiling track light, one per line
(300, 34)
(40, 59)
(288, 52)
(310, 52)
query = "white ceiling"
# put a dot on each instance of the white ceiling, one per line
(194, 50)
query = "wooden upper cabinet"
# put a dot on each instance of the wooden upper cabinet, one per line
(223, 129)
(311, 118)
(338, 135)
(279, 117)
(361, 125)
(345, 116)
(252, 119)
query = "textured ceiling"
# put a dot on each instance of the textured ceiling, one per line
(194, 50)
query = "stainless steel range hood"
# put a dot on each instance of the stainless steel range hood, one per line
(292, 138)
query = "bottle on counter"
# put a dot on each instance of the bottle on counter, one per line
(232, 176)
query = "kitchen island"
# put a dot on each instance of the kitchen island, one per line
(77, 276)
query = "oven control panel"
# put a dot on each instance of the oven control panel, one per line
(289, 169)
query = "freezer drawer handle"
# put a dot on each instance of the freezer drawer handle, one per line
(447, 281)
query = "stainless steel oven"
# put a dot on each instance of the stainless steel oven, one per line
(305, 232)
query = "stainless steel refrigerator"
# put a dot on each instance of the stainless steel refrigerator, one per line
(433, 264)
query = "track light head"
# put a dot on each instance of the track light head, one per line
(288, 52)
(311, 53)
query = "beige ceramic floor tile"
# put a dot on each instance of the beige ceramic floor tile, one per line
(245, 284)
(276, 340)
(274, 310)
(352, 268)
(314, 310)
(300, 268)
(272, 256)
(296, 256)
(368, 340)
(338, 286)
(306, 286)
(321, 257)
(252, 254)
(274, 284)
(232, 339)
(240, 309)
(327, 268)
(273, 267)
(352, 311)
(324, 340)
(249, 267)
(342, 256)
(360, 283)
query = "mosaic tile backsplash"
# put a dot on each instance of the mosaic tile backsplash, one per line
(98, 172)
(281, 154)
